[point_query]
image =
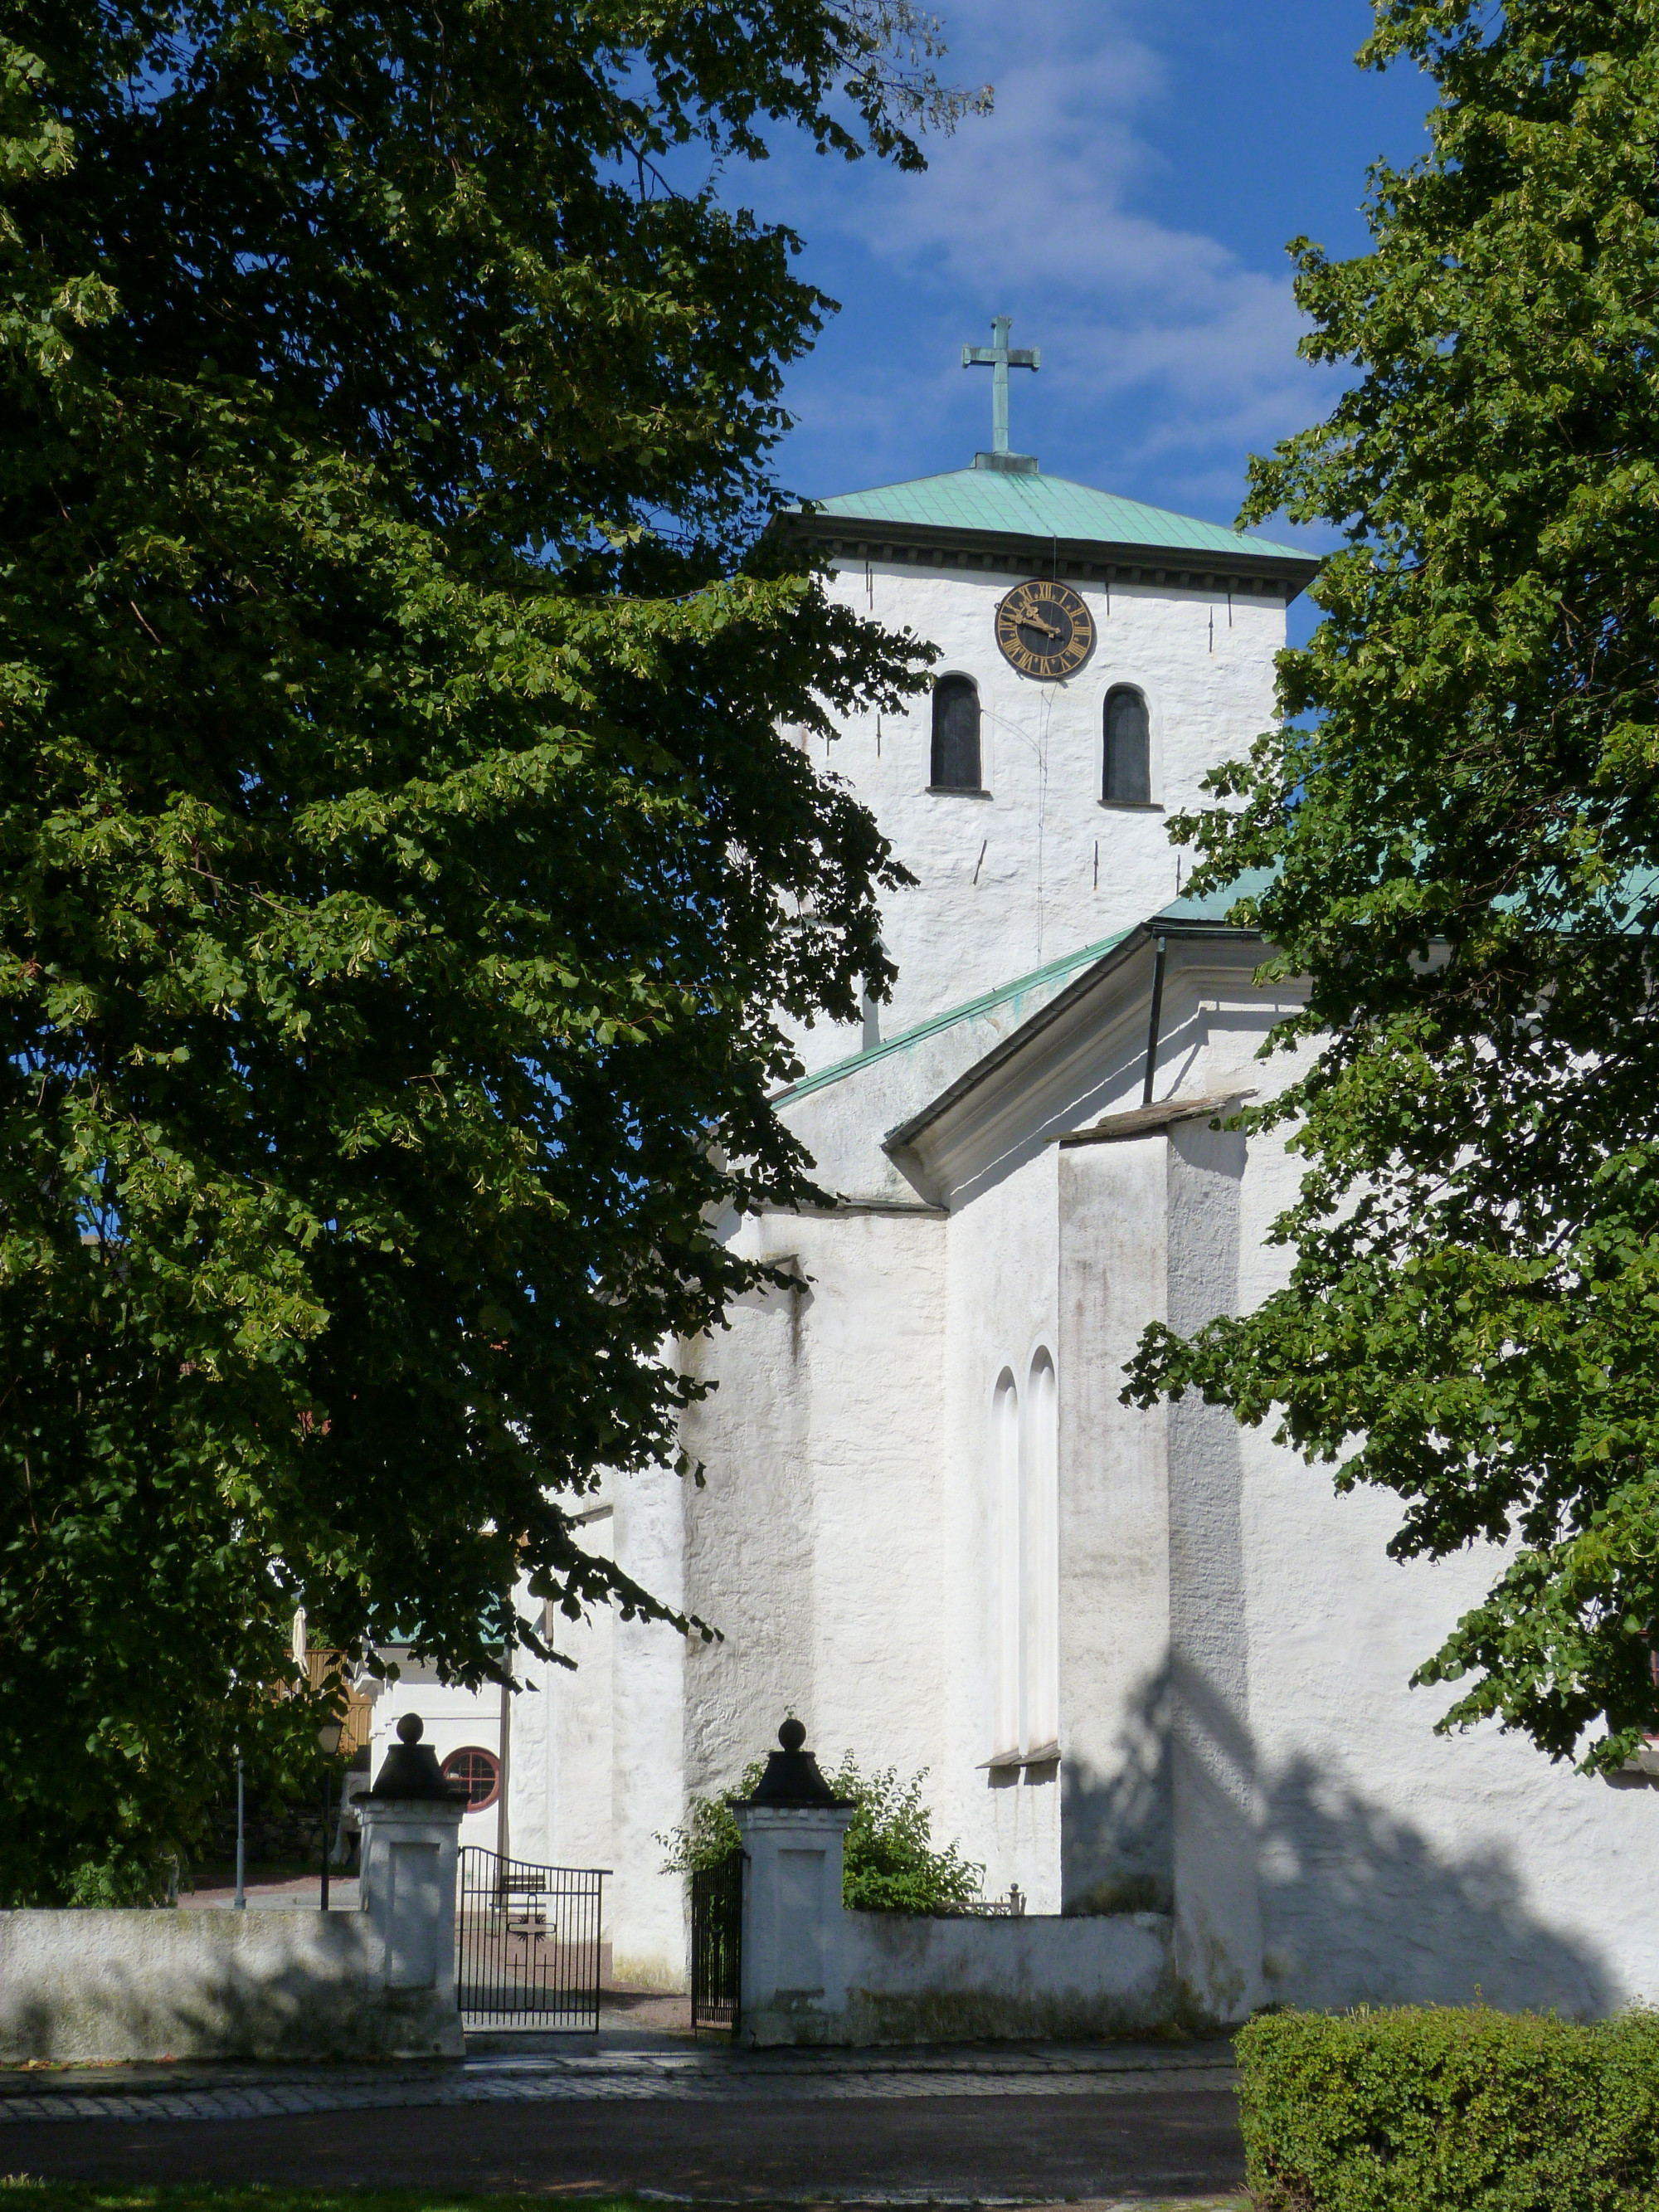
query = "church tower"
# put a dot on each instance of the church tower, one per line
(1096, 658)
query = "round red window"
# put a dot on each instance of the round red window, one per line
(481, 1771)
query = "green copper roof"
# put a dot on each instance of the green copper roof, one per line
(1036, 506)
(985, 1003)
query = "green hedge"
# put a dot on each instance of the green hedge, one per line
(1444, 2110)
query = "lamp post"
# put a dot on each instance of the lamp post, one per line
(328, 1742)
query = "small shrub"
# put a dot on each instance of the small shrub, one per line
(127, 1877)
(891, 1862)
(1443, 2109)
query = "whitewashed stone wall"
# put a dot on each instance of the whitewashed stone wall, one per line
(814, 1973)
(916, 1980)
(814, 1548)
(84, 1986)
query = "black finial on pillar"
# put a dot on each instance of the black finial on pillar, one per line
(791, 1775)
(409, 1770)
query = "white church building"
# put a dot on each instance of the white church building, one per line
(1149, 1660)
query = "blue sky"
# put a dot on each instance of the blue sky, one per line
(1128, 203)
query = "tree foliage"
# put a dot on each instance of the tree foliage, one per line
(890, 1863)
(1459, 809)
(405, 892)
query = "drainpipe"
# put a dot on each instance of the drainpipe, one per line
(1151, 1032)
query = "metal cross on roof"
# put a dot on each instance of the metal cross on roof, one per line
(1000, 358)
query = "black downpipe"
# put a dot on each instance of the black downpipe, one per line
(1152, 1033)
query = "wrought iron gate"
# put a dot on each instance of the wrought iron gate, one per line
(528, 1943)
(717, 1943)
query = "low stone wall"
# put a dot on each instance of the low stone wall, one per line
(169, 1985)
(943, 1981)
(891, 1979)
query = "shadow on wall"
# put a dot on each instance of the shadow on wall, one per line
(1357, 1905)
(158, 1983)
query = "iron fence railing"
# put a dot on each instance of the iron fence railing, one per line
(1012, 1907)
(717, 1943)
(528, 1943)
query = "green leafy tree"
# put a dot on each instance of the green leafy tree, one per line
(891, 1862)
(1459, 809)
(405, 891)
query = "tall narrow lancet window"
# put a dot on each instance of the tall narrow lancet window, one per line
(1007, 1651)
(1128, 777)
(1040, 1556)
(955, 764)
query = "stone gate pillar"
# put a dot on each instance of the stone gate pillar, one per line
(411, 1821)
(794, 1980)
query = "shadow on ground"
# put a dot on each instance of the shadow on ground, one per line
(1165, 2143)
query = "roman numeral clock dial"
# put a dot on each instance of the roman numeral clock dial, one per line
(1045, 630)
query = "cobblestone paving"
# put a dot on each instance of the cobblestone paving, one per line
(693, 2076)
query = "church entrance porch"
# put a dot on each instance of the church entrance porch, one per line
(527, 1944)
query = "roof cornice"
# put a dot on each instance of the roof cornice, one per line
(1249, 571)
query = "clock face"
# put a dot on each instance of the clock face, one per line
(1044, 630)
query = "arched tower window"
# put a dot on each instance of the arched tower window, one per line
(1040, 1556)
(1127, 779)
(955, 765)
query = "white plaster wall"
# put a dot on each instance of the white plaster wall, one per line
(531, 1724)
(814, 1547)
(1000, 1313)
(1327, 1847)
(648, 1908)
(748, 1537)
(1212, 1772)
(1395, 1865)
(814, 1973)
(581, 1821)
(1009, 882)
(595, 1774)
(1118, 1822)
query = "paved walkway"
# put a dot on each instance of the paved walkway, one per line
(586, 2074)
(1011, 2124)
(302, 1893)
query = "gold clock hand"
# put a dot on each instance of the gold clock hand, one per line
(1036, 621)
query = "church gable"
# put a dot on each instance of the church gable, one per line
(1081, 1062)
(841, 1112)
